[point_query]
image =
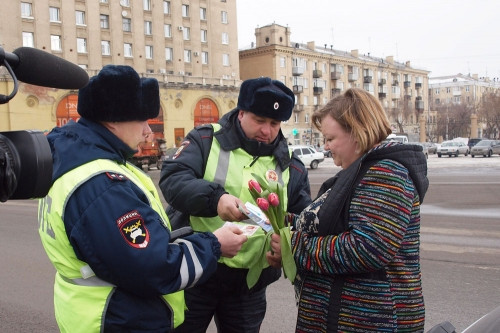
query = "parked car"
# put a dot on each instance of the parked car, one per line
(486, 148)
(395, 137)
(308, 155)
(425, 150)
(325, 152)
(473, 142)
(452, 148)
(431, 147)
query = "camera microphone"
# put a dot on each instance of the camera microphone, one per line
(44, 69)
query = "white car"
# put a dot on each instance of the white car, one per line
(452, 148)
(308, 155)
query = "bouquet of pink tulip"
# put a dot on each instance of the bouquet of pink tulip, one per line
(267, 196)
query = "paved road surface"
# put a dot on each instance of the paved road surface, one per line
(460, 252)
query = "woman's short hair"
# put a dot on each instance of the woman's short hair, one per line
(360, 114)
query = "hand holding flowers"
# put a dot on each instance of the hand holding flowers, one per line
(267, 195)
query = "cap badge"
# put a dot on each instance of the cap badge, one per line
(276, 105)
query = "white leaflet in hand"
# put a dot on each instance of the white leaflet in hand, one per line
(257, 216)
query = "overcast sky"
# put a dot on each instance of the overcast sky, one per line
(445, 37)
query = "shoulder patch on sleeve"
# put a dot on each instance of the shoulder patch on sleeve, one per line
(133, 229)
(116, 176)
(184, 144)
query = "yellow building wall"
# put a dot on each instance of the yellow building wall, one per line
(35, 107)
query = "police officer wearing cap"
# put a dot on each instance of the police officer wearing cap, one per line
(206, 183)
(103, 226)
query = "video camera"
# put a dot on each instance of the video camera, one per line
(25, 156)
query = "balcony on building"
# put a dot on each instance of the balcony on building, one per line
(352, 77)
(407, 97)
(407, 84)
(382, 82)
(317, 90)
(317, 74)
(298, 108)
(367, 79)
(297, 70)
(336, 91)
(418, 85)
(457, 92)
(382, 94)
(335, 75)
(396, 96)
(395, 83)
(298, 89)
(419, 103)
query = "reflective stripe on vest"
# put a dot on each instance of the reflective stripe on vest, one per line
(81, 298)
(232, 170)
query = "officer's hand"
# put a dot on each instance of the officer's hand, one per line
(231, 239)
(227, 208)
(274, 256)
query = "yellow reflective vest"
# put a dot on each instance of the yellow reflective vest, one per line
(232, 170)
(80, 297)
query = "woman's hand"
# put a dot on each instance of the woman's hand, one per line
(274, 256)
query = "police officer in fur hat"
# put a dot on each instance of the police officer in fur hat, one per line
(102, 223)
(205, 185)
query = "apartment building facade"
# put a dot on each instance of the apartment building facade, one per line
(318, 73)
(189, 46)
(464, 90)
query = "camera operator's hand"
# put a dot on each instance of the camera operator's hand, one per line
(231, 239)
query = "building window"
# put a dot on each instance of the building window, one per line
(105, 47)
(147, 4)
(127, 24)
(55, 43)
(203, 14)
(187, 55)
(204, 35)
(103, 1)
(125, 3)
(81, 45)
(54, 14)
(282, 62)
(148, 28)
(225, 59)
(127, 50)
(185, 10)
(169, 54)
(28, 39)
(224, 17)
(149, 52)
(166, 7)
(204, 58)
(186, 33)
(80, 17)
(104, 21)
(26, 9)
(225, 38)
(167, 28)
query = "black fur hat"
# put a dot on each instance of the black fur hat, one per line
(266, 98)
(117, 93)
